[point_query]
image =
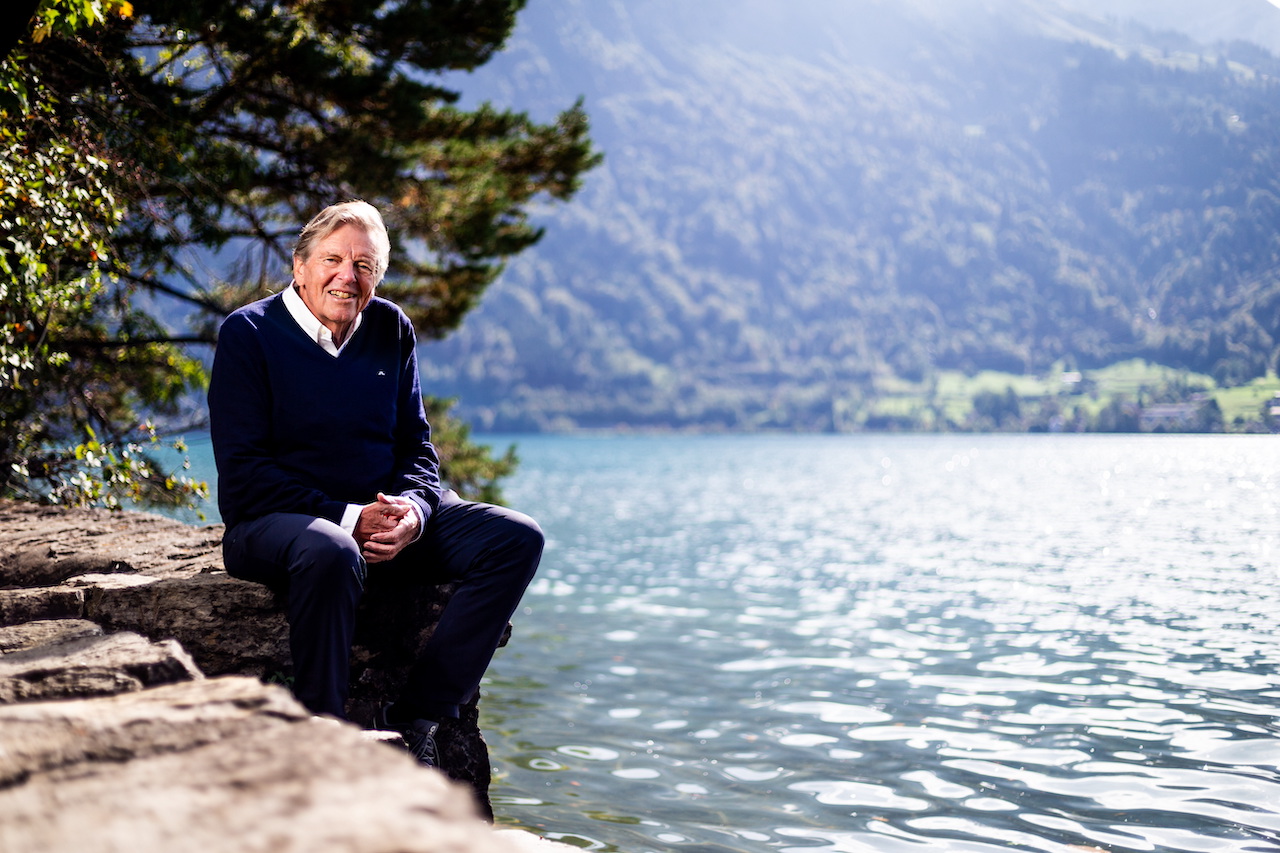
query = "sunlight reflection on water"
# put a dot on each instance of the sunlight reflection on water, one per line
(895, 643)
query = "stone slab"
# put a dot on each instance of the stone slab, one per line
(218, 766)
(92, 666)
(30, 634)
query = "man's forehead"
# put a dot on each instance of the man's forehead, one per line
(348, 237)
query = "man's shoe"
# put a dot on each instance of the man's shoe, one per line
(419, 737)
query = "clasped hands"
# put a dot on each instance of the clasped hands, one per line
(385, 527)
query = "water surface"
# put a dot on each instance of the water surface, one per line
(896, 643)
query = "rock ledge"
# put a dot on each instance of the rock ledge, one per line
(133, 715)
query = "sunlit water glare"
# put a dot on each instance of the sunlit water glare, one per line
(895, 643)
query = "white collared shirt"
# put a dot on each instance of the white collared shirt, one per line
(311, 324)
(317, 332)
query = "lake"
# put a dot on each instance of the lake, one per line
(894, 643)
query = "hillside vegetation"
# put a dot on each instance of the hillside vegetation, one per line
(811, 214)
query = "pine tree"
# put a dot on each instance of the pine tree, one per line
(199, 137)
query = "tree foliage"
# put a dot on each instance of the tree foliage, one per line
(255, 116)
(144, 153)
(68, 391)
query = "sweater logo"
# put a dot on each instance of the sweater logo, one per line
(382, 373)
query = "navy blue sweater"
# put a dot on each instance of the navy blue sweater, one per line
(296, 430)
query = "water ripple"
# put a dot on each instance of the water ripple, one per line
(1057, 643)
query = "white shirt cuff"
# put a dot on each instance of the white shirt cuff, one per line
(350, 516)
(417, 510)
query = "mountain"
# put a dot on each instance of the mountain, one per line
(1231, 20)
(802, 202)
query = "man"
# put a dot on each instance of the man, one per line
(326, 471)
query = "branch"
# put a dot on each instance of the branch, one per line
(120, 343)
(194, 299)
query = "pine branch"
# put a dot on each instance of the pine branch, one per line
(168, 289)
(122, 343)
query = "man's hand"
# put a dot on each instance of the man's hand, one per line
(385, 527)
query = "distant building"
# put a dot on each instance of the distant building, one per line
(1169, 417)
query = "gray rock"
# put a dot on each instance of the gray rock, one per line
(42, 738)
(225, 764)
(30, 634)
(229, 626)
(162, 579)
(30, 605)
(92, 666)
(112, 738)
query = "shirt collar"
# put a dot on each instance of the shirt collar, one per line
(312, 325)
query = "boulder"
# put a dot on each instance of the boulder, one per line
(212, 765)
(103, 664)
(141, 574)
(31, 634)
(113, 740)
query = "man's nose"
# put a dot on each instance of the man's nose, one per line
(347, 271)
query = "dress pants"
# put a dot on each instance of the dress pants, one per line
(491, 553)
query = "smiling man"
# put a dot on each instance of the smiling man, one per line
(326, 472)
(335, 277)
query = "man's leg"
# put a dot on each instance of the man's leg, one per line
(492, 554)
(319, 567)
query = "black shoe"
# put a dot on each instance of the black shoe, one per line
(419, 736)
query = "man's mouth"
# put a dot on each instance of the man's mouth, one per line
(341, 294)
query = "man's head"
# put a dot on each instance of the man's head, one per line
(341, 256)
(362, 215)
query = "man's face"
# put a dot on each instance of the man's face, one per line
(337, 280)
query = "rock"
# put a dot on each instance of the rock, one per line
(32, 634)
(526, 842)
(28, 605)
(44, 737)
(225, 764)
(45, 545)
(163, 580)
(92, 666)
(112, 738)
(229, 626)
(45, 565)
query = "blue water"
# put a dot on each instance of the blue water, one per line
(895, 643)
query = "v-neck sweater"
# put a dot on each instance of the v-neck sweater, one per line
(296, 429)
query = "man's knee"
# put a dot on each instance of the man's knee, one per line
(526, 541)
(529, 533)
(326, 555)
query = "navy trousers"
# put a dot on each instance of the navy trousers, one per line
(491, 553)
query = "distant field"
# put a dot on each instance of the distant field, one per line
(1247, 400)
(951, 393)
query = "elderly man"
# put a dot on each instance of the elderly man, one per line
(326, 471)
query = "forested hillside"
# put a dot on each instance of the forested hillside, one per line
(804, 202)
